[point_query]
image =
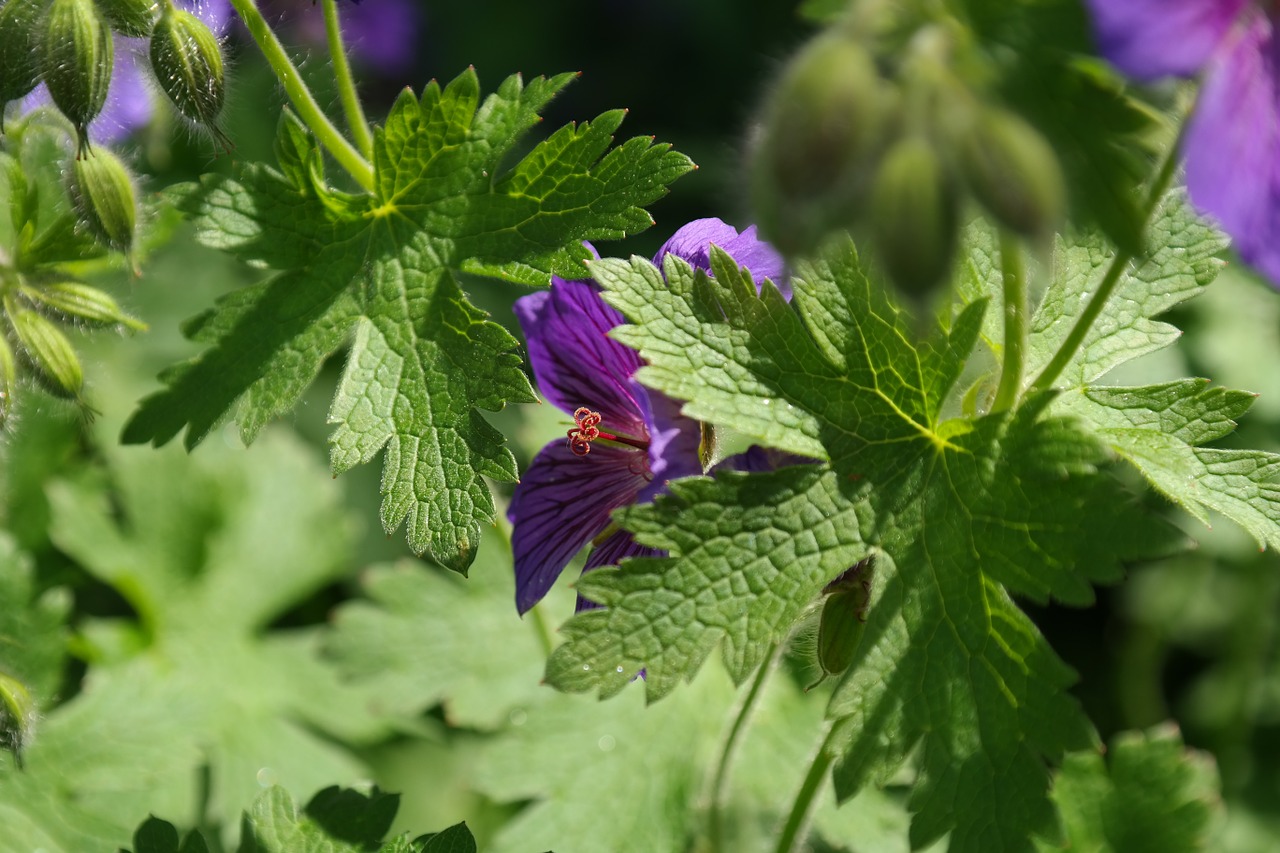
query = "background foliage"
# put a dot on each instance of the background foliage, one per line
(217, 638)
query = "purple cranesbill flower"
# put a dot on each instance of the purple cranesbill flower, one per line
(1232, 141)
(627, 440)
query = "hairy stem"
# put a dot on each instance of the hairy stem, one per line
(356, 122)
(1014, 276)
(729, 749)
(300, 96)
(807, 797)
(1075, 338)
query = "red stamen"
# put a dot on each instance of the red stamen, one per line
(587, 429)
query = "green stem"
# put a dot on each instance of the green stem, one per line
(1075, 338)
(1014, 276)
(729, 748)
(807, 797)
(300, 96)
(542, 630)
(356, 121)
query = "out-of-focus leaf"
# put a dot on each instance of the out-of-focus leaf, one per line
(1150, 795)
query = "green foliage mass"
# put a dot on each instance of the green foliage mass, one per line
(336, 820)
(378, 271)
(192, 678)
(964, 511)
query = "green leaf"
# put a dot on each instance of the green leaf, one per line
(455, 839)
(749, 554)
(948, 661)
(1157, 428)
(379, 271)
(207, 550)
(335, 821)
(160, 836)
(33, 632)
(1181, 260)
(841, 379)
(963, 511)
(1151, 794)
(424, 638)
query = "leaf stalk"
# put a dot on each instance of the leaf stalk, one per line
(729, 749)
(807, 797)
(1075, 338)
(1014, 285)
(300, 96)
(351, 107)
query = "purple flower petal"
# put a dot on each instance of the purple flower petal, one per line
(693, 244)
(129, 105)
(1148, 39)
(575, 361)
(562, 503)
(674, 441)
(616, 547)
(384, 35)
(216, 14)
(1232, 146)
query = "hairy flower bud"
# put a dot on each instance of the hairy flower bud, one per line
(102, 193)
(844, 618)
(8, 378)
(187, 60)
(76, 62)
(823, 128)
(17, 715)
(19, 34)
(916, 216)
(134, 18)
(1013, 172)
(77, 301)
(47, 349)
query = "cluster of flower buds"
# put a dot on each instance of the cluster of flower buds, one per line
(39, 297)
(886, 140)
(34, 311)
(69, 45)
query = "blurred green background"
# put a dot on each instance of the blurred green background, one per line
(306, 634)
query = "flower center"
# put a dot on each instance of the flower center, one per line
(586, 429)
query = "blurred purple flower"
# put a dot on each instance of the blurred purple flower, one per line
(381, 36)
(1232, 142)
(627, 441)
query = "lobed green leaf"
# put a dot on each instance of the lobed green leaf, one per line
(379, 271)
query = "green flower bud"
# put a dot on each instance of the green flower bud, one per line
(916, 216)
(19, 53)
(187, 60)
(47, 349)
(134, 18)
(8, 378)
(844, 618)
(1013, 172)
(17, 715)
(823, 128)
(102, 193)
(76, 62)
(77, 301)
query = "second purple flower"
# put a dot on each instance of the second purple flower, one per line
(627, 441)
